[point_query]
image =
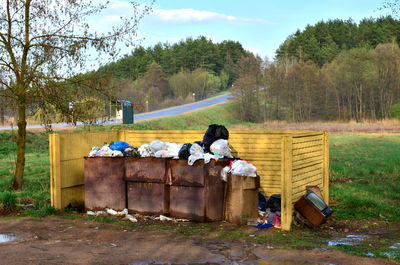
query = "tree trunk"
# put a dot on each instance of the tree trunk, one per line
(19, 172)
(2, 114)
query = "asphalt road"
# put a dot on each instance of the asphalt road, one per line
(150, 115)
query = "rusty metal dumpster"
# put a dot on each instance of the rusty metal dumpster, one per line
(104, 183)
(241, 198)
(147, 192)
(196, 192)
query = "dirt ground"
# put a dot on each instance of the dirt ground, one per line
(54, 240)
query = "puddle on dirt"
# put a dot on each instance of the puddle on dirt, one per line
(259, 262)
(7, 238)
(290, 262)
(352, 240)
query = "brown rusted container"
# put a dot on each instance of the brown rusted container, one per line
(104, 183)
(241, 198)
(148, 198)
(145, 169)
(197, 192)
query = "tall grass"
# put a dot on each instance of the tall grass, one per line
(36, 187)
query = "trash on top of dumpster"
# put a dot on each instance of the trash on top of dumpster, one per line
(104, 151)
(214, 133)
(158, 148)
(118, 145)
(220, 147)
(240, 168)
(131, 152)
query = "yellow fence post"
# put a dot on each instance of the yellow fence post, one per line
(286, 182)
(326, 168)
(55, 178)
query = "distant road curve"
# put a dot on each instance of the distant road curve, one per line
(149, 115)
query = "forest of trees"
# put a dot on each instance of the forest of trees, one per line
(167, 75)
(335, 70)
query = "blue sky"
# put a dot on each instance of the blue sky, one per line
(259, 25)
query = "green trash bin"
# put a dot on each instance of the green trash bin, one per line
(127, 111)
(127, 114)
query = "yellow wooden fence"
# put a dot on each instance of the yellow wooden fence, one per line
(287, 161)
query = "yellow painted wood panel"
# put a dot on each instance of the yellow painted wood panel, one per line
(72, 173)
(325, 173)
(301, 171)
(270, 181)
(286, 183)
(316, 172)
(77, 145)
(74, 196)
(307, 155)
(268, 167)
(55, 171)
(307, 145)
(307, 150)
(307, 179)
(307, 161)
(315, 182)
(298, 140)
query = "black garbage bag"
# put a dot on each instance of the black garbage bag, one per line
(213, 133)
(184, 152)
(274, 203)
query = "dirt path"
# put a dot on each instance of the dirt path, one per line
(54, 240)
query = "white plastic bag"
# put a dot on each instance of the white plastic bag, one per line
(243, 168)
(196, 150)
(144, 150)
(173, 150)
(220, 147)
(157, 145)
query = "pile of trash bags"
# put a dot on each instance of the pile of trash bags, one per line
(213, 146)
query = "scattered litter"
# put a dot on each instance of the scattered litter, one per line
(263, 226)
(96, 213)
(163, 218)
(115, 213)
(113, 245)
(131, 218)
(240, 168)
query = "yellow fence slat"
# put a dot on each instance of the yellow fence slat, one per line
(307, 144)
(316, 172)
(301, 157)
(298, 140)
(307, 150)
(312, 182)
(286, 183)
(301, 171)
(307, 162)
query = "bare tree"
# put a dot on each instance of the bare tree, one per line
(42, 43)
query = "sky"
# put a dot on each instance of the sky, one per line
(259, 25)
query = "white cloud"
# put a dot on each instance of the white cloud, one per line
(252, 50)
(189, 14)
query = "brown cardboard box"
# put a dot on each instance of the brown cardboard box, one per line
(241, 198)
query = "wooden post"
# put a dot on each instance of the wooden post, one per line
(286, 182)
(55, 174)
(326, 168)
